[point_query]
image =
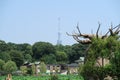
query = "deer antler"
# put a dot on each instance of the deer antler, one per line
(88, 37)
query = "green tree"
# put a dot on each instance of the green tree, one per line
(23, 69)
(61, 57)
(106, 49)
(43, 67)
(10, 67)
(34, 69)
(115, 60)
(1, 64)
(77, 52)
(17, 57)
(59, 47)
(25, 48)
(42, 48)
(3, 46)
(97, 50)
(28, 57)
(49, 59)
(12, 46)
(20, 47)
(68, 50)
(5, 56)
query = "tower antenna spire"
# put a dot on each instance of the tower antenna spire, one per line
(59, 42)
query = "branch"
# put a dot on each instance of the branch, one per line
(70, 34)
(105, 35)
(117, 30)
(98, 30)
(78, 29)
(111, 31)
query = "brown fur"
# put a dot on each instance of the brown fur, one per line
(9, 77)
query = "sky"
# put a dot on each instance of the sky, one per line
(30, 21)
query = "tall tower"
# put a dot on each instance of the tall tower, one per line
(59, 42)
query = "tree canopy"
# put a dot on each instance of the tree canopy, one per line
(10, 66)
(42, 48)
(40, 51)
(17, 57)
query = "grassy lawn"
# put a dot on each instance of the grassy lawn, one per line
(61, 77)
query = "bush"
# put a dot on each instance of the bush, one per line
(23, 70)
(54, 77)
(88, 71)
(10, 67)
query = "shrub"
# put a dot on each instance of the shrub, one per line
(10, 67)
(54, 77)
(23, 70)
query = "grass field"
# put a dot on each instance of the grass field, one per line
(61, 77)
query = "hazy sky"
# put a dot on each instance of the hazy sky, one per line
(30, 21)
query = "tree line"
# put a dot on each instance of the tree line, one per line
(40, 51)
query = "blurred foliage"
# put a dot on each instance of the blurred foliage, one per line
(108, 48)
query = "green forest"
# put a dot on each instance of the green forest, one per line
(40, 51)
